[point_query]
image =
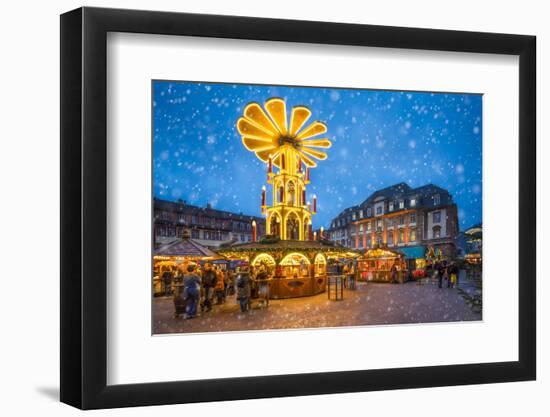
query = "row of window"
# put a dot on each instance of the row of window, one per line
(164, 231)
(204, 221)
(412, 238)
(392, 206)
(366, 228)
(400, 239)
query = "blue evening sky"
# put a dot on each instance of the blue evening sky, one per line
(379, 138)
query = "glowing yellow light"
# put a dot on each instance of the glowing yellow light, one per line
(263, 258)
(286, 145)
(294, 258)
(320, 259)
(265, 134)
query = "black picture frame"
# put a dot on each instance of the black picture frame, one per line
(84, 207)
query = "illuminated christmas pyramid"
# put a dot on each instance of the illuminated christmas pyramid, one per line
(289, 152)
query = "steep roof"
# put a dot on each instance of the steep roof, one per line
(183, 207)
(186, 248)
(401, 191)
(393, 191)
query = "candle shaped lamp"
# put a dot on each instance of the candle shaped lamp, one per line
(307, 175)
(309, 206)
(254, 236)
(263, 199)
(321, 230)
(304, 197)
(309, 230)
(314, 203)
(269, 168)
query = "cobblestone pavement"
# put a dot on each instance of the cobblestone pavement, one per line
(370, 304)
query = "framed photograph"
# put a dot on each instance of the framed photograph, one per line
(259, 208)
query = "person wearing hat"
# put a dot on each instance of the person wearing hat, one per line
(192, 289)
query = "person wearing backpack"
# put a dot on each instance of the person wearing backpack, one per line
(191, 291)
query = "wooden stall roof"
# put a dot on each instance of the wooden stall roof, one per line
(186, 248)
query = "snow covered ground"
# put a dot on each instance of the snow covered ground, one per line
(369, 304)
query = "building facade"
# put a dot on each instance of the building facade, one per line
(208, 226)
(400, 217)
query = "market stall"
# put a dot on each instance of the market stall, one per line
(295, 268)
(168, 258)
(376, 265)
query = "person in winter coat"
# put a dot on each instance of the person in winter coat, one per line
(230, 283)
(178, 293)
(453, 271)
(243, 285)
(167, 281)
(439, 273)
(263, 286)
(393, 273)
(219, 289)
(192, 291)
(209, 280)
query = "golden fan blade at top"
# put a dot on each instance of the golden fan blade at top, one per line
(317, 143)
(314, 129)
(258, 145)
(265, 132)
(307, 160)
(299, 116)
(264, 155)
(254, 112)
(276, 109)
(315, 153)
(250, 129)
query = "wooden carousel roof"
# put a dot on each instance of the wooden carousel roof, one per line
(285, 246)
(186, 248)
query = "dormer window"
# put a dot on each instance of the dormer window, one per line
(413, 202)
(437, 200)
(369, 212)
(390, 208)
(402, 204)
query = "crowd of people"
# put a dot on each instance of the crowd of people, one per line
(446, 272)
(196, 287)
